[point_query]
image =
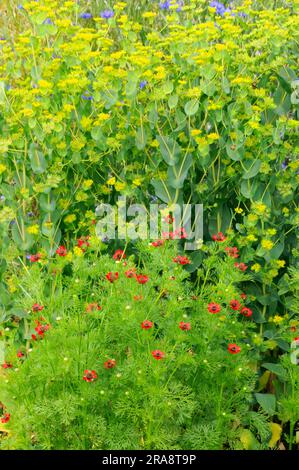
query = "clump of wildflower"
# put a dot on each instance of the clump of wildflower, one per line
(142, 84)
(220, 8)
(185, 326)
(165, 5)
(110, 364)
(61, 251)
(130, 273)
(86, 16)
(106, 14)
(37, 307)
(90, 375)
(183, 260)
(119, 255)
(5, 418)
(93, 307)
(40, 329)
(219, 237)
(157, 354)
(83, 242)
(112, 277)
(7, 365)
(246, 312)
(35, 258)
(158, 243)
(213, 307)
(146, 325)
(235, 304)
(142, 279)
(241, 266)
(267, 244)
(232, 251)
(233, 348)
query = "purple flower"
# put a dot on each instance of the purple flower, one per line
(220, 8)
(105, 239)
(86, 96)
(2, 197)
(47, 21)
(284, 164)
(142, 84)
(180, 4)
(106, 14)
(86, 16)
(165, 5)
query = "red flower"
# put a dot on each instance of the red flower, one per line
(35, 258)
(7, 365)
(92, 307)
(158, 243)
(296, 339)
(61, 251)
(182, 260)
(232, 251)
(5, 418)
(130, 273)
(110, 364)
(37, 308)
(83, 242)
(168, 235)
(168, 218)
(246, 312)
(233, 348)
(241, 266)
(41, 329)
(119, 255)
(146, 324)
(181, 233)
(243, 296)
(184, 326)
(157, 354)
(219, 237)
(137, 298)
(111, 277)
(142, 279)
(214, 308)
(235, 304)
(20, 354)
(90, 375)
